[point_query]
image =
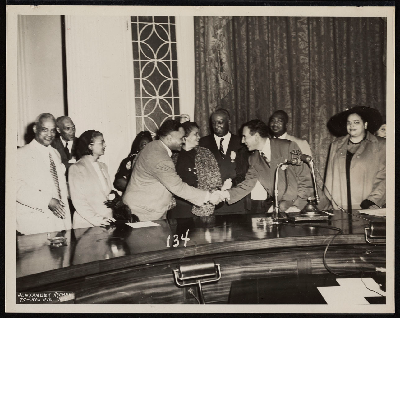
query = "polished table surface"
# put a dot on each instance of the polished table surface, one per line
(98, 250)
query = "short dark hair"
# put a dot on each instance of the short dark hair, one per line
(188, 127)
(168, 126)
(284, 114)
(222, 111)
(139, 137)
(256, 126)
(61, 119)
(87, 138)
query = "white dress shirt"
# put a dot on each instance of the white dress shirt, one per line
(68, 144)
(45, 151)
(225, 142)
(284, 136)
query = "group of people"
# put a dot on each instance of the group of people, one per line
(181, 174)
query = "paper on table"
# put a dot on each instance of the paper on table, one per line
(292, 209)
(141, 224)
(351, 291)
(379, 212)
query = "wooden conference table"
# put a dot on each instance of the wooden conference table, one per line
(121, 264)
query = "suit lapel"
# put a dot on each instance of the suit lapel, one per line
(213, 146)
(90, 168)
(106, 178)
(275, 153)
(231, 146)
(73, 148)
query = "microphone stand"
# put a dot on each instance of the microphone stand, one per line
(277, 215)
(314, 182)
(310, 211)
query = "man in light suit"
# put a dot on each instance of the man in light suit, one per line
(277, 125)
(42, 204)
(65, 141)
(154, 179)
(294, 184)
(225, 147)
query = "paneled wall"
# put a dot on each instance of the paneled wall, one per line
(40, 74)
(100, 81)
(99, 75)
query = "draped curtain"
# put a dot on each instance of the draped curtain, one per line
(310, 67)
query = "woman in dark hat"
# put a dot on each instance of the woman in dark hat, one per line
(356, 171)
(125, 169)
(89, 183)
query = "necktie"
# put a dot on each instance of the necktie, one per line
(265, 158)
(67, 150)
(54, 175)
(221, 149)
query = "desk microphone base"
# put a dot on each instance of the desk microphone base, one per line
(307, 217)
(279, 217)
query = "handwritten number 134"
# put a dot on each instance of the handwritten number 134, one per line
(176, 240)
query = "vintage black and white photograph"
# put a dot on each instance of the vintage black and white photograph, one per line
(200, 159)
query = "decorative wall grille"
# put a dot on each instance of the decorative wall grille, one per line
(155, 71)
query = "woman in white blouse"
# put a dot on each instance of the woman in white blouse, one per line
(90, 183)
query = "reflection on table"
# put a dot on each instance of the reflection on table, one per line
(144, 257)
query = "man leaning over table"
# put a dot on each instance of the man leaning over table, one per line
(294, 186)
(154, 179)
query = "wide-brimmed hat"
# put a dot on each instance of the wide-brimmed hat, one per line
(337, 125)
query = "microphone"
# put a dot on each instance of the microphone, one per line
(305, 158)
(293, 161)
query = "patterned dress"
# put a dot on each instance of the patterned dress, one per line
(198, 168)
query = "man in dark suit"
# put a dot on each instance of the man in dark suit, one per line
(294, 185)
(65, 141)
(225, 146)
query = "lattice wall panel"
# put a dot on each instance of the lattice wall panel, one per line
(155, 71)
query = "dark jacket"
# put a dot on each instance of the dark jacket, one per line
(197, 168)
(59, 146)
(294, 183)
(227, 165)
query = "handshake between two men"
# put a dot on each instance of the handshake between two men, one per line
(218, 196)
(221, 195)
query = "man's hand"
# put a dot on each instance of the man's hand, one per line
(184, 118)
(373, 207)
(216, 197)
(107, 221)
(227, 184)
(57, 207)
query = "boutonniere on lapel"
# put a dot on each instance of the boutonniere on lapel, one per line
(233, 156)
